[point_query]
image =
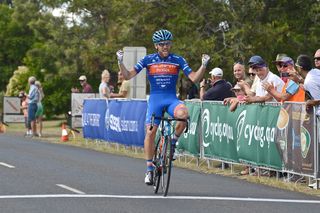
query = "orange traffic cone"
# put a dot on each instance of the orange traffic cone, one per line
(64, 133)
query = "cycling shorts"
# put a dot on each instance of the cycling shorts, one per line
(157, 102)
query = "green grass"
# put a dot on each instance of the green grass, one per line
(52, 134)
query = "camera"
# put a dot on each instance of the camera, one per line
(207, 81)
(284, 74)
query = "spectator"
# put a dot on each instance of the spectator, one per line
(265, 75)
(124, 90)
(193, 90)
(33, 97)
(278, 59)
(220, 89)
(239, 73)
(24, 108)
(39, 113)
(86, 88)
(317, 59)
(311, 82)
(291, 90)
(104, 91)
(252, 74)
(234, 101)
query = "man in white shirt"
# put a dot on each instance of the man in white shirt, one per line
(311, 82)
(265, 76)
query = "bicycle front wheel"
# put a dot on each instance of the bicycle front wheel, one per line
(157, 164)
(166, 164)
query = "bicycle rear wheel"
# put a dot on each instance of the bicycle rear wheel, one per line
(166, 164)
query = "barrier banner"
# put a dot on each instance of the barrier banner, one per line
(124, 122)
(189, 142)
(256, 125)
(219, 131)
(93, 115)
(296, 137)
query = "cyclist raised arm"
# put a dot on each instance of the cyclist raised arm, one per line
(162, 71)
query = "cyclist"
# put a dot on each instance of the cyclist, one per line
(162, 72)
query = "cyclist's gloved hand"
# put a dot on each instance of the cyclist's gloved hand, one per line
(205, 59)
(120, 56)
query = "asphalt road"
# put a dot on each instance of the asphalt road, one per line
(42, 177)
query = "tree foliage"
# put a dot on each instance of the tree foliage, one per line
(57, 49)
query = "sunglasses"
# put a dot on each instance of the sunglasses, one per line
(317, 58)
(283, 65)
(165, 43)
(252, 74)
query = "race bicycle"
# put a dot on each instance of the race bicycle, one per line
(163, 153)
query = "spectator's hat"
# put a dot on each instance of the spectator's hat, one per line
(82, 78)
(279, 57)
(286, 60)
(256, 62)
(216, 72)
(304, 62)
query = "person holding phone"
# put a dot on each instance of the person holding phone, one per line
(291, 91)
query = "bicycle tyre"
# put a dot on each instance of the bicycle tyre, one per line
(157, 170)
(168, 152)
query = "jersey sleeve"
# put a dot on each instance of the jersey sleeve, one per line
(184, 66)
(141, 64)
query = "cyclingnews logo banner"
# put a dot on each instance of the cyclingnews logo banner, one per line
(219, 132)
(247, 135)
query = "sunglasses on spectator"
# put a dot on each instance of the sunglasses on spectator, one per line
(252, 74)
(283, 65)
(317, 58)
(297, 65)
(162, 44)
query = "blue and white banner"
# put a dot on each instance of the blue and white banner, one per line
(120, 121)
(93, 116)
(125, 121)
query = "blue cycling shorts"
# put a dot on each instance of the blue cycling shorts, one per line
(157, 102)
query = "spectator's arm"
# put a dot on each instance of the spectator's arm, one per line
(246, 88)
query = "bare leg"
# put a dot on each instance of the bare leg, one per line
(40, 125)
(181, 112)
(34, 127)
(149, 142)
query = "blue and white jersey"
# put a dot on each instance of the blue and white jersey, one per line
(163, 73)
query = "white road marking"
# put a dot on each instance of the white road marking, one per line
(71, 189)
(159, 197)
(7, 165)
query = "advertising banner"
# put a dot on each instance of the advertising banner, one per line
(189, 142)
(257, 144)
(124, 122)
(296, 138)
(219, 131)
(93, 116)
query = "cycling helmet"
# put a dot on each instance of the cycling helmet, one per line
(162, 35)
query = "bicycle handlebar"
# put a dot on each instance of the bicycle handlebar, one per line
(162, 118)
